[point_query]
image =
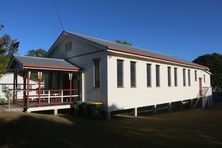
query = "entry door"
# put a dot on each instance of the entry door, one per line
(200, 86)
(66, 85)
(65, 81)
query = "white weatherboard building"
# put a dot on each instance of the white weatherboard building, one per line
(6, 83)
(126, 77)
(120, 76)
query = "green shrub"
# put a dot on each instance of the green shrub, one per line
(3, 101)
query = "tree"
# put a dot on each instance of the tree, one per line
(36, 52)
(1, 26)
(214, 62)
(123, 42)
(8, 47)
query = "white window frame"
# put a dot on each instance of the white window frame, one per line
(94, 73)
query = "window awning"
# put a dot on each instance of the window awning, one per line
(20, 63)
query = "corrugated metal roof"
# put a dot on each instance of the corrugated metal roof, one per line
(135, 50)
(45, 63)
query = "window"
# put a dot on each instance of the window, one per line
(19, 87)
(169, 75)
(148, 71)
(119, 73)
(204, 78)
(4, 87)
(157, 75)
(189, 82)
(133, 73)
(50, 80)
(175, 76)
(184, 77)
(68, 46)
(195, 75)
(96, 71)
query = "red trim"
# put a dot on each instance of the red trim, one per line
(39, 93)
(200, 87)
(48, 89)
(70, 90)
(127, 51)
(153, 56)
(28, 78)
(44, 102)
(53, 67)
(24, 92)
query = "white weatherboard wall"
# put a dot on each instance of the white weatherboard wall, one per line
(127, 97)
(7, 80)
(86, 62)
(82, 55)
(79, 47)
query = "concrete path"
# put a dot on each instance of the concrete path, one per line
(3, 107)
(13, 108)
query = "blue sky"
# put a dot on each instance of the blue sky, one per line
(181, 28)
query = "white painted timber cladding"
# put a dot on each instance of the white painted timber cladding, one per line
(86, 62)
(8, 80)
(90, 92)
(127, 97)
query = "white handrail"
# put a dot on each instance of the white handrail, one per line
(207, 97)
(49, 97)
(62, 96)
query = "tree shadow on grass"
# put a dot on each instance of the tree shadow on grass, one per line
(28, 130)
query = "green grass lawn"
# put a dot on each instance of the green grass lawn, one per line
(192, 128)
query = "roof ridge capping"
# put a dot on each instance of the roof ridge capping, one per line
(45, 58)
(165, 56)
(151, 50)
(173, 59)
(86, 36)
(110, 45)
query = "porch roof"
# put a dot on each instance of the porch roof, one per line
(26, 62)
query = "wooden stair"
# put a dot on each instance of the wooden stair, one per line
(198, 99)
(201, 95)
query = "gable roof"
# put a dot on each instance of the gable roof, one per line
(27, 62)
(113, 46)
